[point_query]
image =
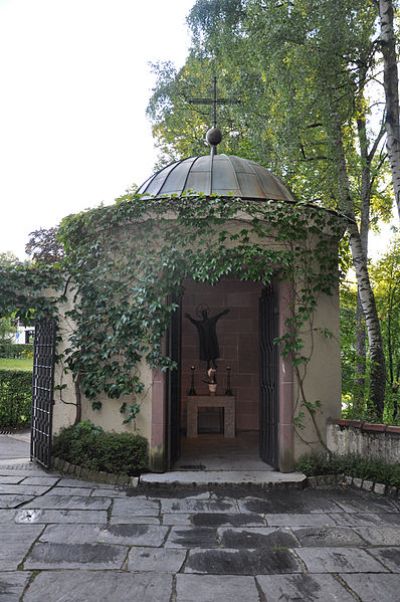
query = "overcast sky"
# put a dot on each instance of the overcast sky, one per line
(75, 82)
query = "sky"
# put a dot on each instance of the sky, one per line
(75, 82)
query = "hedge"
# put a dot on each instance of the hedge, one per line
(89, 446)
(352, 465)
(13, 350)
(15, 398)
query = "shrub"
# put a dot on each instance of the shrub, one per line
(15, 351)
(352, 465)
(91, 447)
(15, 398)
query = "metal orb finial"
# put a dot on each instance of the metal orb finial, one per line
(214, 136)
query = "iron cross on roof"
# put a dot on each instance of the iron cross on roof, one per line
(214, 101)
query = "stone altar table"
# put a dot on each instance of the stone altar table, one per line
(194, 402)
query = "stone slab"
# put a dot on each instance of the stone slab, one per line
(100, 491)
(299, 520)
(23, 489)
(79, 586)
(366, 519)
(126, 508)
(339, 560)
(224, 477)
(389, 557)
(158, 560)
(178, 518)
(75, 491)
(32, 516)
(15, 543)
(380, 536)
(135, 520)
(10, 479)
(66, 502)
(384, 587)
(222, 519)
(361, 501)
(13, 501)
(296, 588)
(70, 482)
(309, 501)
(12, 585)
(241, 562)
(327, 536)
(7, 516)
(196, 588)
(129, 535)
(256, 537)
(41, 480)
(191, 506)
(75, 556)
(190, 537)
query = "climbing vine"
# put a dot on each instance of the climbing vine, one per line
(126, 264)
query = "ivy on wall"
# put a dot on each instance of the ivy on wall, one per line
(125, 264)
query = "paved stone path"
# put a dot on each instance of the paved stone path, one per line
(65, 540)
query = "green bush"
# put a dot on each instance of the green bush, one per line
(352, 465)
(89, 446)
(15, 351)
(15, 398)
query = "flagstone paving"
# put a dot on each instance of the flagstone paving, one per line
(73, 541)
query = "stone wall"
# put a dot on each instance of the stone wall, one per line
(238, 336)
(375, 441)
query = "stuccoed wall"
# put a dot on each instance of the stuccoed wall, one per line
(323, 375)
(109, 416)
(374, 441)
(322, 380)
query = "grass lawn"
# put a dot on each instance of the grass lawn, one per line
(16, 364)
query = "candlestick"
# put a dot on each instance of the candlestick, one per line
(228, 381)
(192, 390)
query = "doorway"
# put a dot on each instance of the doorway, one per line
(246, 352)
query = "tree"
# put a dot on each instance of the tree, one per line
(43, 246)
(386, 277)
(309, 62)
(387, 40)
(7, 322)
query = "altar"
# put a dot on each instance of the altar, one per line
(226, 402)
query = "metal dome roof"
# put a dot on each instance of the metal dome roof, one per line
(224, 175)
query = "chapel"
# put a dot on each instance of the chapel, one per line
(234, 399)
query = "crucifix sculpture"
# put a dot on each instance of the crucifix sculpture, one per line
(214, 135)
(208, 341)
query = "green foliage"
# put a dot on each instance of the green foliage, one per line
(351, 465)
(121, 310)
(87, 445)
(294, 67)
(15, 398)
(13, 350)
(131, 410)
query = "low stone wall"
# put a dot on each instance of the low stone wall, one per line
(377, 441)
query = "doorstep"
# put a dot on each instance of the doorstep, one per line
(224, 477)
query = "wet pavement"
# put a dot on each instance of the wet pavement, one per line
(69, 540)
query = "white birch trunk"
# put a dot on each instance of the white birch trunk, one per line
(391, 85)
(366, 295)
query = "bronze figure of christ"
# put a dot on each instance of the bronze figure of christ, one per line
(207, 331)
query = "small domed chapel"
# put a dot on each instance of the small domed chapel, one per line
(253, 322)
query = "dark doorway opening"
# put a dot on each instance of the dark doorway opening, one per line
(246, 337)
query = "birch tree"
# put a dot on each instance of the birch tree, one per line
(294, 66)
(387, 40)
